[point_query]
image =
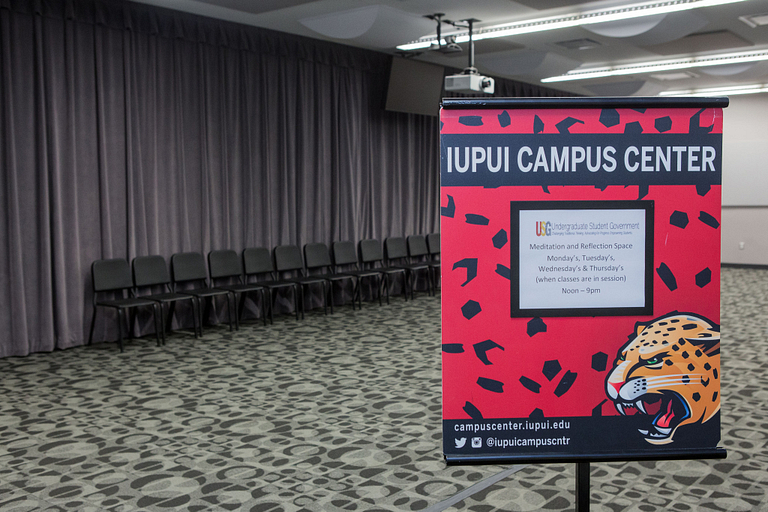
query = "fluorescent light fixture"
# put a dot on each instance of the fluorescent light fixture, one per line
(626, 12)
(731, 90)
(661, 65)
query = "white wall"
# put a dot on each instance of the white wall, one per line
(744, 226)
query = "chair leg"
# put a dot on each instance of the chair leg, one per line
(262, 295)
(360, 292)
(296, 300)
(329, 295)
(406, 282)
(131, 322)
(93, 324)
(303, 302)
(241, 305)
(158, 325)
(206, 311)
(198, 320)
(120, 329)
(386, 286)
(162, 318)
(231, 301)
(171, 312)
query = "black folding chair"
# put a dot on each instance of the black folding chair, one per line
(372, 258)
(188, 269)
(258, 264)
(317, 257)
(288, 261)
(227, 265)
(345, 259)
(433, 244)
(396, 249)
(114, 276)
(151, 273)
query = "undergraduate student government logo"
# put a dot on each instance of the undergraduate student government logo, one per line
(543, 228)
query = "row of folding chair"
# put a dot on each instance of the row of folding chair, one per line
(149, 284)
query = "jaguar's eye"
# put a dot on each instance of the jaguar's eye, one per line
(652, 361)
(622, 357)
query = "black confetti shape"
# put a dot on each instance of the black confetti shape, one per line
(500, 239)
(471, 265)
(598, 411)
(708, 220)
(663, 124)
(450, 210)
(703, 278)
(503, 271)
(667, 277)
(504, 119)
(491, 385)
(536, 414)
(530, 384)
(679, 219)
(483, 347)
(642, 191)
(453, 348)
(599, 361)
(601, 187)
(703, 189)
(441, 125)
(538, 124)
(472, 411)
(551, 369)
(641, 110)
(535, 326)
(694, 125)
(478, 220)
(633, 128)
(471, 120)
(609, 117)
(545, 188)
(565, 125)
(470, 309)
(565, 383)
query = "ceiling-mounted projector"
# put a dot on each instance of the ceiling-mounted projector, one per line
(470, 83)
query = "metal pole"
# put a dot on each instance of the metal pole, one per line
(471, 46)
(582, 487)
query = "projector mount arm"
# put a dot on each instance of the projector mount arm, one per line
(470, 69)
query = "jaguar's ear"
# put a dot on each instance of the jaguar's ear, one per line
(639, 326)
(708, 341)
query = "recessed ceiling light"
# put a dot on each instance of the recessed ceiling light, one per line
(755, 20)
(576, 19)
(661, 65)
(720, 91)
(678, 75)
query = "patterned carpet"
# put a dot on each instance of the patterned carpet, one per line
(332, 413)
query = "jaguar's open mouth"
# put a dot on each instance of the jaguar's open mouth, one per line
(664, 410)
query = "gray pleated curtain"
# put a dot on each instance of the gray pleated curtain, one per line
(129, 130)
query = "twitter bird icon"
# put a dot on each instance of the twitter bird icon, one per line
(460, 442)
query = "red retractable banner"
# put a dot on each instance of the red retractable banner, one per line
(581, 278)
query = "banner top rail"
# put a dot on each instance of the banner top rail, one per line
(586, 102)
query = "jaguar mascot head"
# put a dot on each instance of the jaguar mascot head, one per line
(668, 371)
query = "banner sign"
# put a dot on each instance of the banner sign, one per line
(581, 279)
